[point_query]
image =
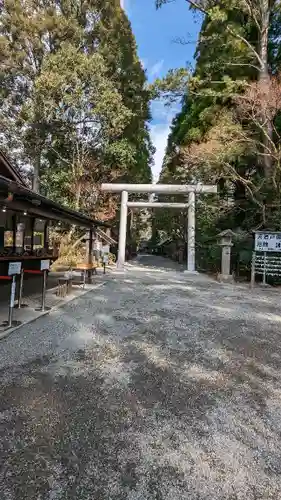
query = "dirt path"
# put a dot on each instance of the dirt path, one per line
(159, 385)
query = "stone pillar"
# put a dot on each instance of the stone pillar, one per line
(225, 259)
(191, 233)
(122, 230)
(225, 242)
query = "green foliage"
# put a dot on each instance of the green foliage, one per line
(171, 87)
(74, 102)
(118, 46)
(80, 98)
(213, 139)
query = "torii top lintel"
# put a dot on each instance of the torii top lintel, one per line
(159, 188)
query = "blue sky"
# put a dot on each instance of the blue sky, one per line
(156, 32)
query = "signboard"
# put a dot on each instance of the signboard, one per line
(38, 240)
(44, 265)
(267, 264)
(97, 245)
(20, 226)
(14, 268)
(39, 225)
(267, 242)
(13, 292)
(105, 258)
(19, 240)
(8, 239)
(105, 249)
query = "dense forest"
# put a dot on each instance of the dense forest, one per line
(75, 109)
(229, 128)
(74, 103)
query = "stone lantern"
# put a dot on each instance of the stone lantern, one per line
(225, 241)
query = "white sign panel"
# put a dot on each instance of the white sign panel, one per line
(13, 292)
(267, 242)
(97, 245)
(45, 264)
(105, 249)
(14, 268)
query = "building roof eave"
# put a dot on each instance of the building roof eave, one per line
(52, 209)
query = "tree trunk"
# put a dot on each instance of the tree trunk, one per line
(36, 174)
(78, 195)
(77, 206)
(265, 11)
(264, 78)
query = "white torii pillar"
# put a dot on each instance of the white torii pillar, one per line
(191, 233)
(122, 230)
(167, 189)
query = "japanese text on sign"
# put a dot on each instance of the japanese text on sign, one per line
(105, 249)
(267, 242)
(14, 268)
(44, 265)
(97, 245)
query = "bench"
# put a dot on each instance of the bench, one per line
(84, 269)
(66, 283)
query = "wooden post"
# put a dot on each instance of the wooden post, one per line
(253, 270)
(32, 234)
(14, 222)
(264, 269)
(46, 242)
(122, 230)
(90, 254)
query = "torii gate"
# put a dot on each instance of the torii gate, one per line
(167, 189)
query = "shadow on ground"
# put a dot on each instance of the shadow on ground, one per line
(154, 387)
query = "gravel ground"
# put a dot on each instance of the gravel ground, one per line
(159, 385)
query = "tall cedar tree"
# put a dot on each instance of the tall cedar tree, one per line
(238, 43)
(118, 47)
(73, 98)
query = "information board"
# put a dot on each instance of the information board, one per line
(105, 258)
(105, 249)
(267, 242)
(267, 264)
(14, 268)
(44, 265)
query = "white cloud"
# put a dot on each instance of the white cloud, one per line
(156, 68)
(159, 134)
(143, 63)
(124, 4)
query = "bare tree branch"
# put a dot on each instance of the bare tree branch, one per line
(249, 45)
(251, 11)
